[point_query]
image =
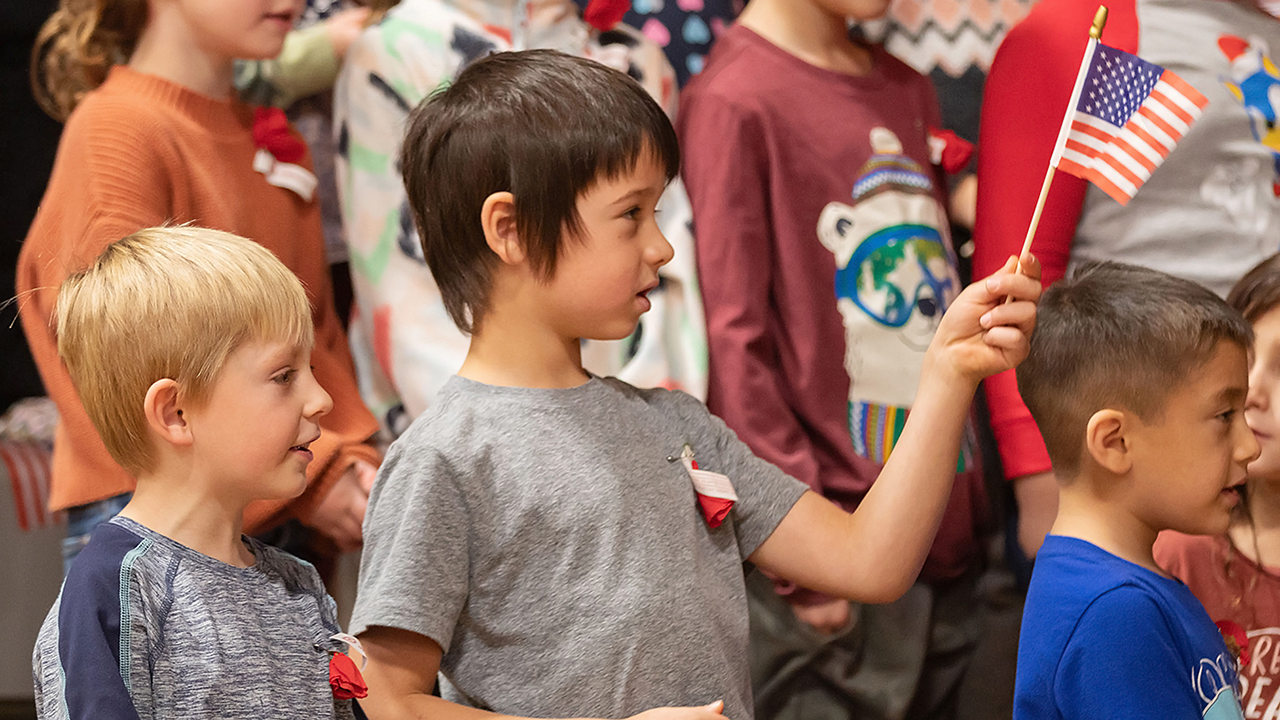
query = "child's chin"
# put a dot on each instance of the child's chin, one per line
(1217, 524)
(621, 332)
(286, 489)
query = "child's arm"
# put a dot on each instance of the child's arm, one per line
(77, 663)
(725, 166)
(875, 554)
(307, 64)
(402, 672)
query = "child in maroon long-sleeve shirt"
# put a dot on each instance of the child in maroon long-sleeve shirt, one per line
(826, 265)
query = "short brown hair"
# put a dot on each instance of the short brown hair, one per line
(539, 124)
(1258, 292)
(1117, 336)
(169, 302)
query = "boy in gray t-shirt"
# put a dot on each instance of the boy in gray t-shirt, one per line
(556, 544)
(191, 350)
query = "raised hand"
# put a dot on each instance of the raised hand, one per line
(340, 514)
(987, 329)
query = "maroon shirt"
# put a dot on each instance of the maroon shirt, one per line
(825, 263)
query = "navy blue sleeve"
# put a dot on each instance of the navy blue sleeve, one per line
(89, 639)
(1124, 661)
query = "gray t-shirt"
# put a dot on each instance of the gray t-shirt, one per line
(551, 542)
(147, 628)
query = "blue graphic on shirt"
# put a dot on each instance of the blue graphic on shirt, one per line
(1255, 83)
(1215, 680)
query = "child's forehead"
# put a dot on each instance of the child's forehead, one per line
(1222, 377)
(643, 176)
(1266, 326)
(273, 348)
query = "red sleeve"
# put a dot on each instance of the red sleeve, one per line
(1024, 102)
(726, 171)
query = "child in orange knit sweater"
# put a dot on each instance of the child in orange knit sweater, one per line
(154, 134)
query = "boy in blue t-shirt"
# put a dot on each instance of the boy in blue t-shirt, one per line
(1137, 381)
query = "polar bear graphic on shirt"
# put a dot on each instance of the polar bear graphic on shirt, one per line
(895, 276)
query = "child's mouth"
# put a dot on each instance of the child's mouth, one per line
(283, 18)
(303, 450)
(1235, 493)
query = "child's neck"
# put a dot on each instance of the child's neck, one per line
(170, 53)
(1259, 540)
(1106, 523)
(809, 32)
(188, 513)
(517, 351)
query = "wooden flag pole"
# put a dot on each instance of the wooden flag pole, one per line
(1095, 33)
(1035, 217)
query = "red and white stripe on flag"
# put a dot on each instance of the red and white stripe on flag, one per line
(28, 465)
(1120, 159)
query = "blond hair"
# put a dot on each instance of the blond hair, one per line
(169, 302)
(77, 47)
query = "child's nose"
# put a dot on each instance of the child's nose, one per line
(1258, 390)
(661, 251)
(320, 402)
(1248, 449)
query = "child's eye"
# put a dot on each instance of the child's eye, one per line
(1227, 416)
(285, 377)
(632, 214)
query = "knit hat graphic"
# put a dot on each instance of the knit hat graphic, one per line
(888, 169)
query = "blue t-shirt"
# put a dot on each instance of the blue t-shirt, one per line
(1105, 638)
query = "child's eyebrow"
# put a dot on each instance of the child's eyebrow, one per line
(637, 194)
(284, 356)
(1231, 394)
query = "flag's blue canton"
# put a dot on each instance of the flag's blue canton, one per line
(1116, 85)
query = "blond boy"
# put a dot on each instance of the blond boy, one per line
(190, 349)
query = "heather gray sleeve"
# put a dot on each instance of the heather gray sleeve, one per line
(414, 567)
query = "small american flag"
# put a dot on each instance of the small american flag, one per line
(27, 464)
(1128, 116)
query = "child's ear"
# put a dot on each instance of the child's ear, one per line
(1106, 438)
(498, 218)
(163, 409)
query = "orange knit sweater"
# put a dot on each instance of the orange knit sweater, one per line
(140, 151)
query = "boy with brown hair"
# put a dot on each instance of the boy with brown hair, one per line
(1137, 381)
(556, 544)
